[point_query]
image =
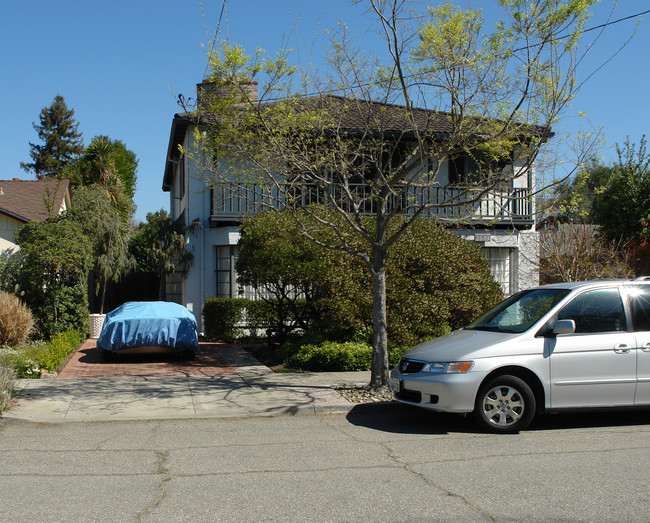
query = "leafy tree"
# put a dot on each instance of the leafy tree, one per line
(158, 247)
(438, 281)
(54, 260)
(575, 200)
(500, 90)
(110, 164)
(103, 225)
(277, 261)
(622, 208)
(62, 141)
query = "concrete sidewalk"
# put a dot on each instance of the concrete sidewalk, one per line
(254, 390)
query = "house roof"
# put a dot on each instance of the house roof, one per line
(28, 200)
(348, 115)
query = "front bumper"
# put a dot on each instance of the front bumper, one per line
(439, 392)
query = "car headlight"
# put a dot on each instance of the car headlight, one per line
(449, 367)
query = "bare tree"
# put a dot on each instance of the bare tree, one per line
(372, 135)
(576, 252)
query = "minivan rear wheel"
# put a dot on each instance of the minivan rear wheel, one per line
(504, 404)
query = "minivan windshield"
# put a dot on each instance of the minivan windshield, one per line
(519, 312)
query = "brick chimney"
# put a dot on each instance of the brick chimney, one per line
(245, 91)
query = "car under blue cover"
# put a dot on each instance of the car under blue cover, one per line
(149, 324)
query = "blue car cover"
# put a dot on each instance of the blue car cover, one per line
(149, 324)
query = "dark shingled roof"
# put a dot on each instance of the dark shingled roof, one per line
(351, 116)
(24, 200)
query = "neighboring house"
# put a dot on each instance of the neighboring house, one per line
(23, 201)
(502, 223)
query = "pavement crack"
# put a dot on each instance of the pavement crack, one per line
(161, 469)
(405, 466)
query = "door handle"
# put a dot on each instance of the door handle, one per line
(621, 348)
(646, 347)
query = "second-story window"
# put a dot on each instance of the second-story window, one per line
(472, 167)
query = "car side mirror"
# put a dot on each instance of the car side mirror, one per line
(564, 327)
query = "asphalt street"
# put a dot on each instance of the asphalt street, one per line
(377, 463)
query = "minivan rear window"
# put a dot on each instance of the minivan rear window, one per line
(519, 312)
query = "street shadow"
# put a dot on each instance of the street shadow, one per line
(591, 419)
(397, 418)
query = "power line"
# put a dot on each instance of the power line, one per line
(601, 26)
(216, 34)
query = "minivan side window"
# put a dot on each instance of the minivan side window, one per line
(640, 307)
(600, 310)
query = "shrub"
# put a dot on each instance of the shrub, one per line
(57, 349)
(259, 315)
(6, 386)
(54, 258)
(436, 280)
(16, 320)
(28, 359)
(332, 356)
(221, 317)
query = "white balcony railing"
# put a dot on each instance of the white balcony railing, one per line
(234, 201)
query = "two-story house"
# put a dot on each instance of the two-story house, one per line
(23, 201)
(501, 221)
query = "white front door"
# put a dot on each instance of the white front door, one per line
(595, 366)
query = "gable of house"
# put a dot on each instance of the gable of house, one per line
(23, 201)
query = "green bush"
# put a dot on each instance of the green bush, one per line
(259, 315)
(332, 356)
(436, 281)
(54, 260)
(225, 319)
(221, 317)
(28, 359)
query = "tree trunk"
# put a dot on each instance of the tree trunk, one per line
(379, 367)
(101, 302)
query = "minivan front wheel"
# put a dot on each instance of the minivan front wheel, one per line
(505, 404)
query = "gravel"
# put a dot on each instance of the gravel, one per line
(364, 394)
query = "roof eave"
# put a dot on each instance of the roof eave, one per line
(180, 123)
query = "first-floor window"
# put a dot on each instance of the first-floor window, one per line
(226, 277)
(503, 267)
(227, 286)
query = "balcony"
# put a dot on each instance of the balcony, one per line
(231, 203)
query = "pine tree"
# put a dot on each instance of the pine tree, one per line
(62, 141)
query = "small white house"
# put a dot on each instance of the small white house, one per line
(23, 201)
(503, 223)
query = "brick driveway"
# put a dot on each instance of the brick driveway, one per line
(87, 363)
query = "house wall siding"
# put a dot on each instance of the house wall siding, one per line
(8, 228)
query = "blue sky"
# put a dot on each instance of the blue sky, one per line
(120, 65)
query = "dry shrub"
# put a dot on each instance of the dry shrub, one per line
(6, 386)
(16, 320)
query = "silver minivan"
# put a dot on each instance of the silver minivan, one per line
(561, 346)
